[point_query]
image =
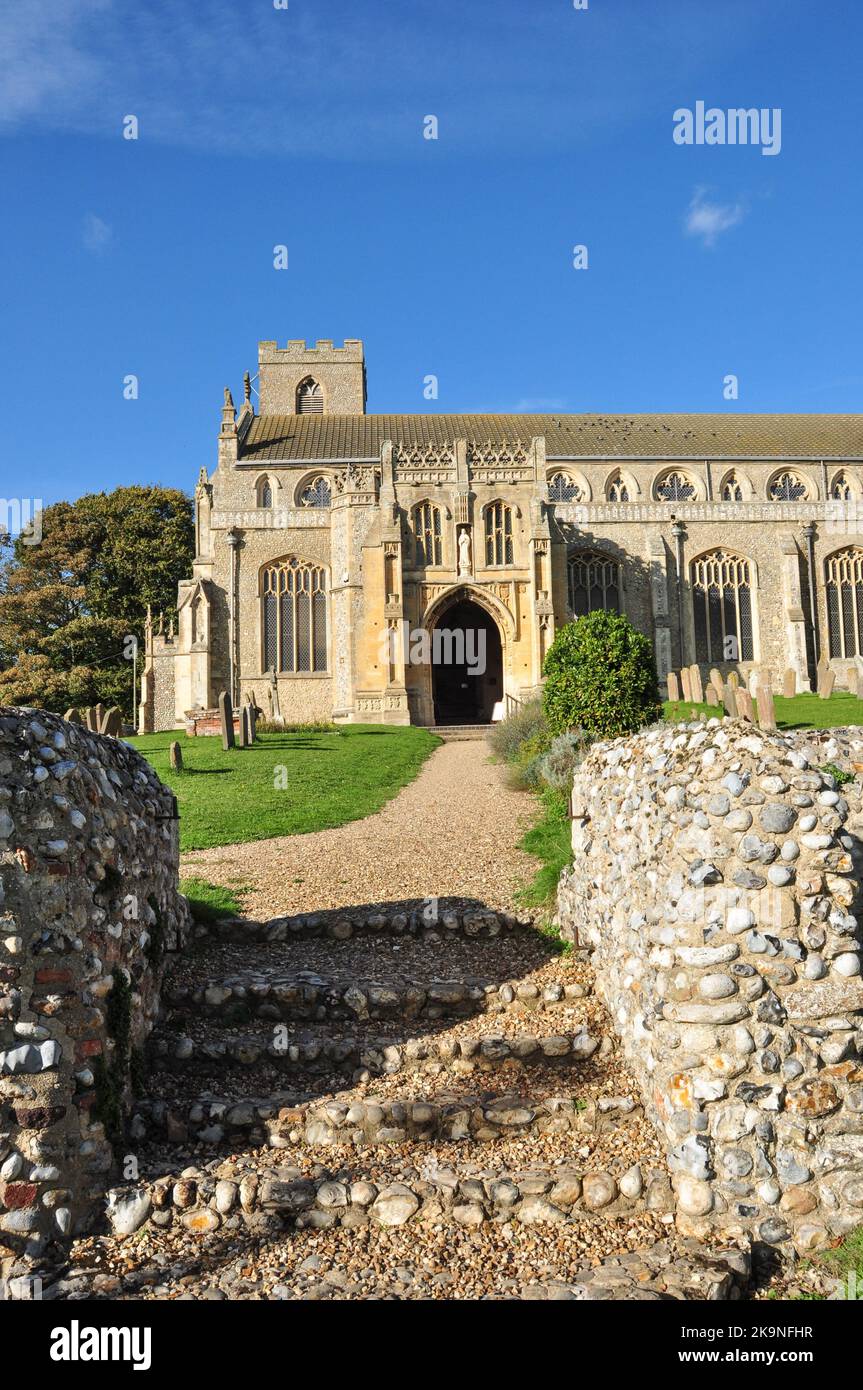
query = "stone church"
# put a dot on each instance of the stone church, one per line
(327, 538)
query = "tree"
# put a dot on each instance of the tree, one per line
(600, 676)
(69, 603)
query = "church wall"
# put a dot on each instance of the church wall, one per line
(365, 543)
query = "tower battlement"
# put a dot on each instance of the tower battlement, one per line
(322, 380)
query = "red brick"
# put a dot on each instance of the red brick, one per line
(19, 1194)
(49, 976)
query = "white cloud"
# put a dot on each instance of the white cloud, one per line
(542, 405)
(709, 220)
(95, 233)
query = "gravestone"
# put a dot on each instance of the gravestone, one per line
(826, 683)
(91, 719)
(821, 673)
(729, 699)
(176, 756)
(243, 728)
(73, 716)
(250, 714)
(226, 718)
(712, 695)
(686, 682)
(695, 683)
(112, 722)
(673, 686)
(716, 681)
(853, 680)
(766, 711)
(733, 679)
(744, 704)
(789, 683)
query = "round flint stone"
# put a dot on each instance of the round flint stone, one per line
(777, 818)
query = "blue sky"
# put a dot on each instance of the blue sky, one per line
(304, 126)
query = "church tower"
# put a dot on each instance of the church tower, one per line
(319, 380)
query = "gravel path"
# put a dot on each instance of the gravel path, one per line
(453, 832)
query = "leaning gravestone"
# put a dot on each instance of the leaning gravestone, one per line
(744, 704)
(789, 683)
(766, 710)
(733, 679)
(73, 716)
(712, 695)
(673, 686)
(112, 722)
(729, 699)
(686, 682)
(695, 684)
(716, 681)
(226, 718)
(176, 756)
(826, 683)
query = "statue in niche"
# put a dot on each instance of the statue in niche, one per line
(464, 556)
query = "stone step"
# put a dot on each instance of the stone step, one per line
(418, 917)
(225, 1193)
(365, 1053)
(291, 1119)
(305, 996)
(459, 732)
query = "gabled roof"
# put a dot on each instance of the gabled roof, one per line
(297, 438)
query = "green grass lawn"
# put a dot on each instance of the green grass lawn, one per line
(287, 783)
(801, 712)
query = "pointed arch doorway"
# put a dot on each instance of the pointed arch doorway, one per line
(467, 664)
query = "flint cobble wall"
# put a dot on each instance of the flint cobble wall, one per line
(88, 910)
(716, 882)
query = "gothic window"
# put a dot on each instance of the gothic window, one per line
(845, 602)
(427, 534)
(561, 488)
(317, 494)
(310, 398)
(722, 600)
(265, 493)
(787, 487)
(841, 488)
(294, 602)
(731, 490)
(593, 582)
(498, 534)
(617, 490)
(675, 487)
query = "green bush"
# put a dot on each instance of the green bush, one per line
(600, 677)
(527, 724)
(524, 771)
(557, 766)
